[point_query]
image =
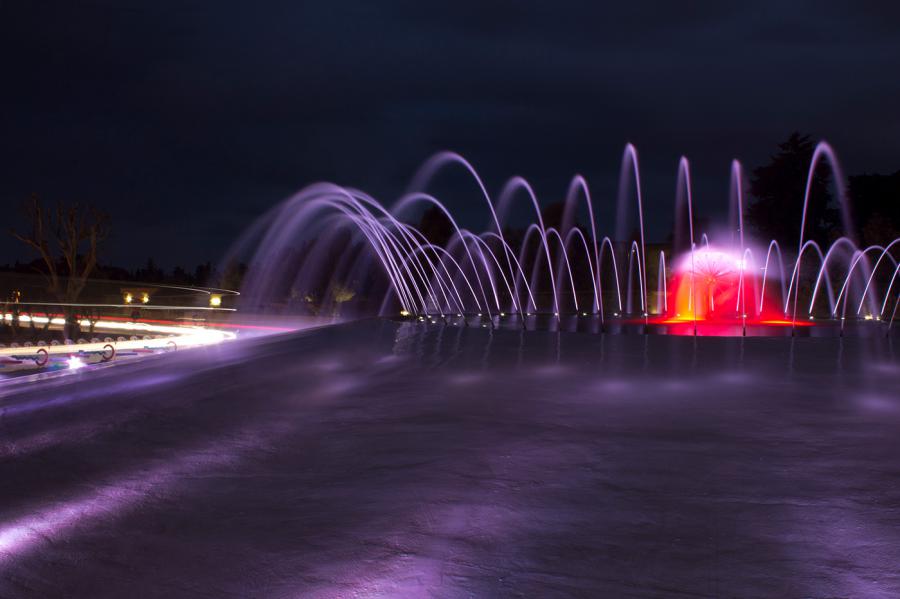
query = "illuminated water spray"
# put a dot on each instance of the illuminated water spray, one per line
(330, 249)
(706, 285)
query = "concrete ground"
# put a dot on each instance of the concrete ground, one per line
(380, 459)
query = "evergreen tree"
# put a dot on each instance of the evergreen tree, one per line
(776, 205)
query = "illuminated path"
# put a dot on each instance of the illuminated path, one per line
(41, 357)
(380, 460)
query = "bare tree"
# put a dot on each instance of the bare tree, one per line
(66, 238)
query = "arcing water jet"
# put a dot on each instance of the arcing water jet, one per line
(318, 250)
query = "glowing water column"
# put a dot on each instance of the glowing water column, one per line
(716, 282)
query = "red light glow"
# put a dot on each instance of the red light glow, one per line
(720, 290)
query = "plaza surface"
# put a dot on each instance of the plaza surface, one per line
(387, 459)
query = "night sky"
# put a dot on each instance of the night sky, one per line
(185, 120)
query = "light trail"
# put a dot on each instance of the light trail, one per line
(139, 306)
(39, 356)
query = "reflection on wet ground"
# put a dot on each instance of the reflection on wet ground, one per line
(383, 459)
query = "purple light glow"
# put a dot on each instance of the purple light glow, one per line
(481, 276)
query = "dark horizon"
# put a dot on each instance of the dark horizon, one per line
(185, 122)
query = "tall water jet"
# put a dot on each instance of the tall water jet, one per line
(630, 171)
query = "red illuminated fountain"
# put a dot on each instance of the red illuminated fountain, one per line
(720, 292)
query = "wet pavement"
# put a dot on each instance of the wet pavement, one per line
(384, 459)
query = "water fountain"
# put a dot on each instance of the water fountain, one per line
(332, 249)
(393, 457)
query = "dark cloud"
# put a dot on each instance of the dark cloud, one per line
(192, 117)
